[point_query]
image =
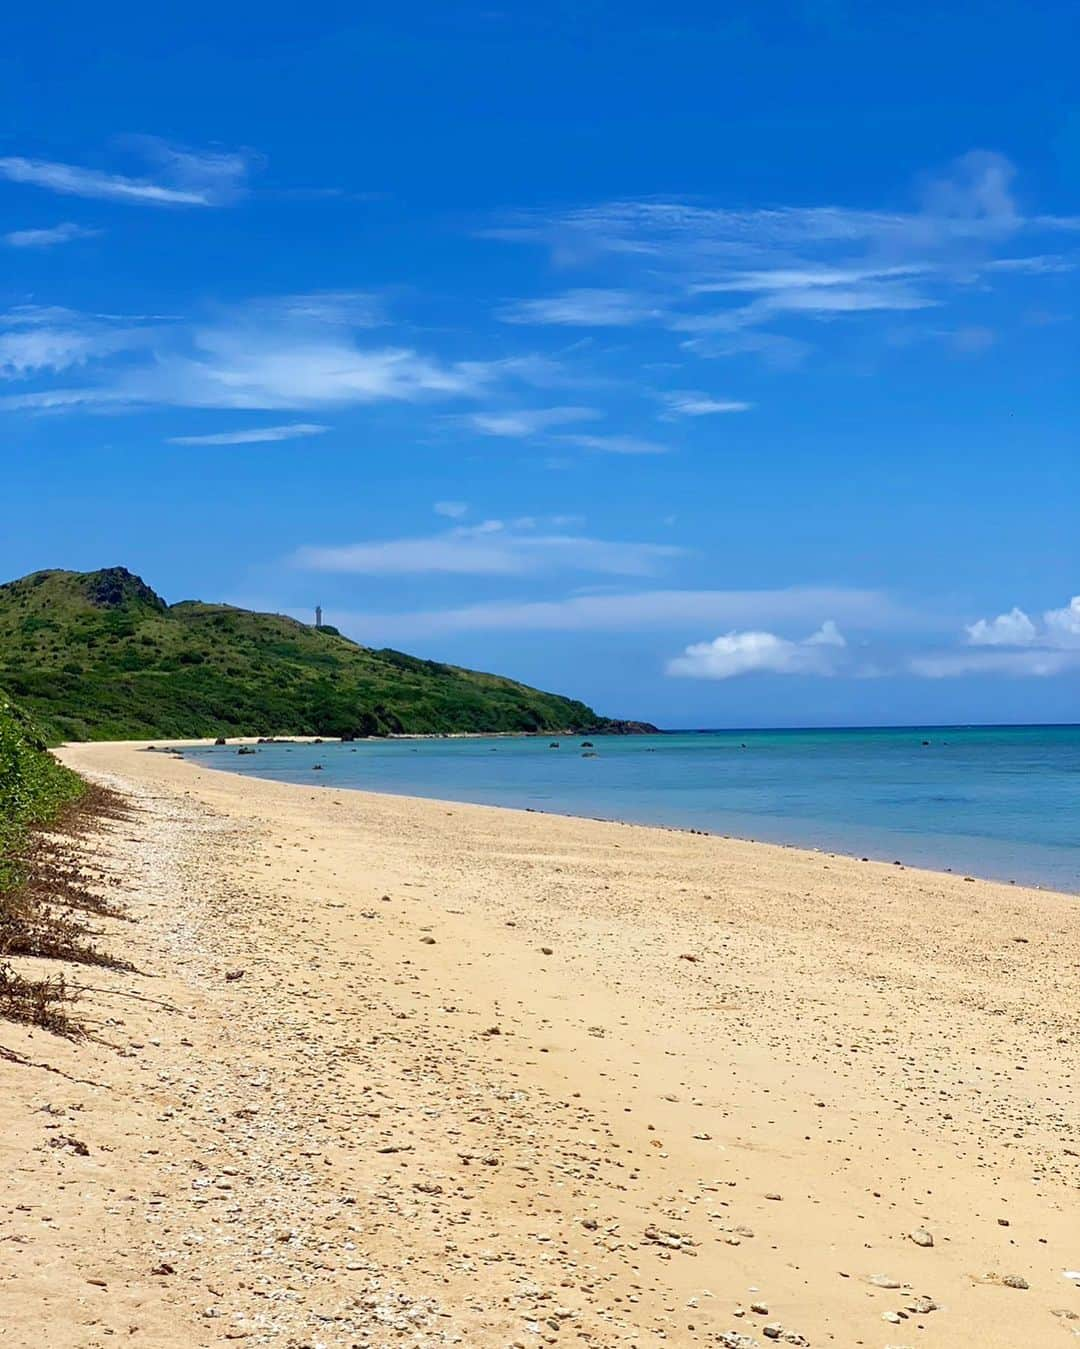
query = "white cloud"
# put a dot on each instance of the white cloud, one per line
(635, 612)
(739, 653)
(1063, 625)
(255, 436)
(686, 403)
(453, 510)
(1012, 644)
(614, 444)
(1011, 629)
(489, 549)
(48, 237)
(827, 635)
(1060, 628)
(524, 422)
(187, 177)
(238, 368)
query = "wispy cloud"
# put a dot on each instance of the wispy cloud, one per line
(289, 353)
(638, 611)
(521, 423)
(47, 340)
(1015, 664)
(971, 200)
(49, 236)
(254, 436)
(614, 444)
(686, 403)
(805, 278)
(720, 276)
(489, 549)
(185, 177)
(756, 652)
(452, 510)
(584, 308)
(234, 368)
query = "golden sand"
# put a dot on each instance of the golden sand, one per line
(400, 1072)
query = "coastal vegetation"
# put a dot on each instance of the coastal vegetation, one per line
(34, 788)
(41, 891)
(98, 655)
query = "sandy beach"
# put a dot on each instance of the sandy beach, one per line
(401, 1072)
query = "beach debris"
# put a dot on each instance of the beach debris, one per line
(428, 941)
(672, 1241)
(921, 1237)
(163, 1268)
(884, 1281)
(1015, 1281)
(66, 1141)
(547, 950)
(231, 976)
(686, 955)
(773, 1195)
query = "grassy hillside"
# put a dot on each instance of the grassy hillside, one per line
(97, 655)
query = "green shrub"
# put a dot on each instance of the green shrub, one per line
(33, 787)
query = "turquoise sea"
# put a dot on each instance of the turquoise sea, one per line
(997, 801)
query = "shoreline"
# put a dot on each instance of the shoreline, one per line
(820, 850)
(397, 1070)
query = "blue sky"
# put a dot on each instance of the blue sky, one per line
(714, 364)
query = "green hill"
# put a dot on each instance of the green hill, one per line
(98, 655)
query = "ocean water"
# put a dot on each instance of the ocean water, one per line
(999, 802)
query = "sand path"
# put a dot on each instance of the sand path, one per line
(492, 1078)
